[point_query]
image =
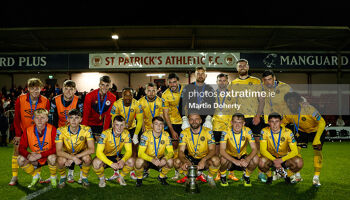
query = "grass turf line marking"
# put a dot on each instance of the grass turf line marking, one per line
(37, 193)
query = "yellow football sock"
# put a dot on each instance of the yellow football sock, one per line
(180, 171)
(164, 172)
(85, 171)
(29, 169)
(126, 170)
(99, 172)
(176, 153)
(139, 173)
(289, 173)
(224, 172)
(15, 166)
(269, 173)
(317, 162)
(37, 171)
(62, 172)
(212, 171)
(247, 173)
(299, 151)
(53, 170)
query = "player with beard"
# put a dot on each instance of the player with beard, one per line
(172, 115)
(251, 107)
(197, 147)
(198, 93)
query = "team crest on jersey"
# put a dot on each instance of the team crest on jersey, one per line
(157, 106)
(162, 142)
(277, 91)
(81, 138)
(303, 118)
(122, 140)
(131, 110)
(243, 138)
(250, 83)
(229, 98)
(108, 103)
(96, 102)
(202, 138)
(283, 139)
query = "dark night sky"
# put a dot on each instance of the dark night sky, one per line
(98, 13)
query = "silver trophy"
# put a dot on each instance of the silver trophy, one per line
(191, 185)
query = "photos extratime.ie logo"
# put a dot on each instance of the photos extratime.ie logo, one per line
(246, 93)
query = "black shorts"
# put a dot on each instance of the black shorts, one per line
(132, 132)
(150, 165)
(114, 159)
(193, 160)
(96, 130)
(177, 128)
(235, 167)
(256, 129)
(283, 164)
(217, 136)
(303, 138)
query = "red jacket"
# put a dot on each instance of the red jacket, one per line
(91, 115)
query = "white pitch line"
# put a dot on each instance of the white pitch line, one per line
(37, 193)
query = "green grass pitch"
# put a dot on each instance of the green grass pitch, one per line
(335, 180)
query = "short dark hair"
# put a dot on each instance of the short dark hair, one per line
(150, 85)
(239, 116)
(242, 60)
(159, 118)
(268, 72)
(75, 112)
(222, 75)
(295, 95)
(105, 79)
(201, 68)
(119, 118)
(173, 75)
(69, 83)
(275, 115)
(128, 89)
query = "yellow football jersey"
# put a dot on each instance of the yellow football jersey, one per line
(198, 147)
(107, 140)
(276, 103)
(151, 109)
(249, 104)
(129, 113)
(272, 144)
(234, 142)
(172, 101)
(74, 143)
(152, 144)
(308, 120)
(223, 116)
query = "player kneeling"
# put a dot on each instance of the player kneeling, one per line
(151, 154)
(279, 150)
(40, 138)
(74, 144)
(233, 149)
(197, 147)
(108, 153)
